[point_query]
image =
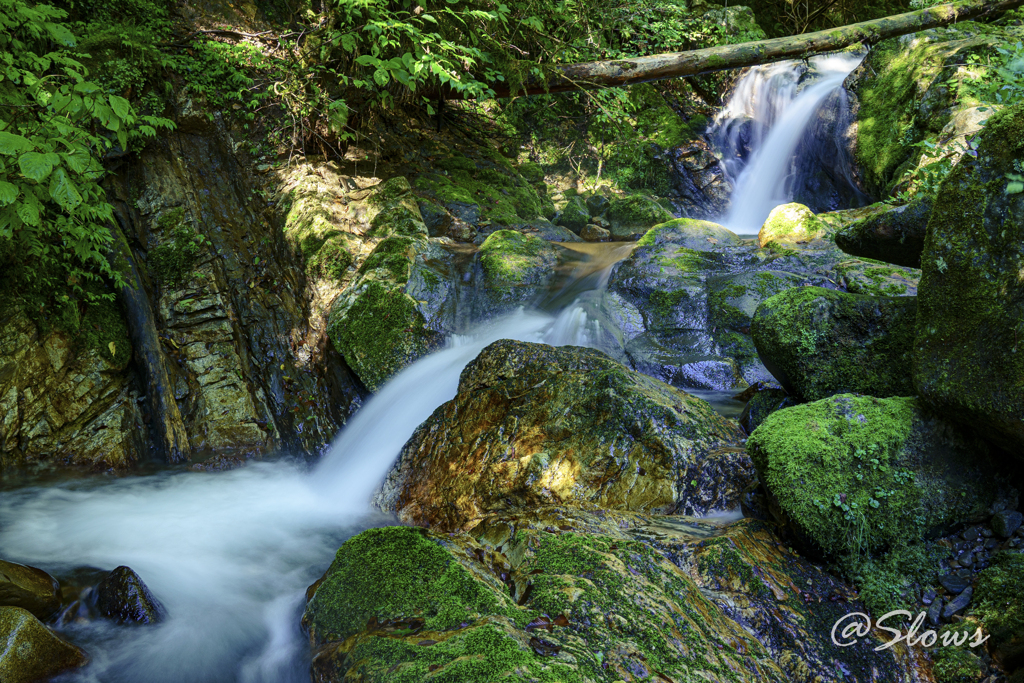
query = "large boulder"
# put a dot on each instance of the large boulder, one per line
(818, 342)
(533, 424)
(516, 268)
(29, 588)
(561, 594)
(856, 473)
(894, 236)
(968, 363)
(30, 652)
(123, 597)
(631, 217)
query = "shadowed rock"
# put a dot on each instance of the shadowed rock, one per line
(895, 236)
(123, 596)
(29, 588)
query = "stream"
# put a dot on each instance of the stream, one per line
(231, 554)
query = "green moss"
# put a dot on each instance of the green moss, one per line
(399, 217)
(509, 257)
(501, 194)
(391, 190)
(791, 223)
(834, 470)
(394, 256)
(885, 583)
(999, 601)
(172, 261)
(104, 325)
(956, 664)
(332, 260)
(395, 574)
(531, 172)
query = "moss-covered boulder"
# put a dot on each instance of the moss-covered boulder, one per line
(854, 473)
(574, 215)
(30, 652)
(968, 362)
(791, 223)
(561, 594)
(894, 236)
(691, 234)
(533, 424)
(517, 268)
(29, 588)
(631, 217)
(395, 311)
(818, 342)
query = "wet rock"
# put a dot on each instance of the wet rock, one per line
(853, 473)
(123, 597)
(395, 311)
(1006, 522)
(765, 401)
(597, 204)
(699, 180)
(953, 583)
(791, 223)
(819, 342)
(574, 215)
(517, 269)
(29, 588)
(594, 233)
(690, 233)
(928, 597)
(894, 236)
(30, 652)
(546, 230)
(631, 217)
(680, 368)
(935, 612)
(532, 425)
(565, 593)
(967, 365)
(958, 604)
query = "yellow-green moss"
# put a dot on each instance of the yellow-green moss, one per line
(172, 261)
(510, 257)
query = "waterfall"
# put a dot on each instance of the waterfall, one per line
(230, 554)
(760, 128)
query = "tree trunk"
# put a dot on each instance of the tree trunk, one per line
(619, 72)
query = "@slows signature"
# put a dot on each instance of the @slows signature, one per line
(849, 629)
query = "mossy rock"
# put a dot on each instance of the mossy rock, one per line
(375, 323)
(865, 276)
(968, 359)
(690, 233)
(30, 651)
(632, 216)
(579, 596)
(856, 473)
(574, 215)
(29, 588)
(333, 259)
(531, 172)
(998, 603)
(516, 267)
(390, 190)
(562, 426)
(400, 216)
(791, 223)
(818, 342)
(180, 247)
(894, 236)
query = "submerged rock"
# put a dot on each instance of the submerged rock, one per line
(30, 652)
(29, 588)
(856, 473)
(894, 236)
(533, 424)
(968, 359)
(818, 342)
(123, 597)
(564, 595)
(791, 223)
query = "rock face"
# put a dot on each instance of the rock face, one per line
(818, 342)
(123, 597)
(967, 359)
(67, 400)
(534, 425)
(894, 236)
(854, 473)
(561, 594)
(29, 588)
(30, 652)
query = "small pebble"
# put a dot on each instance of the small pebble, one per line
(958, 603)
(928, 597)
(934, 612)
(992, 544)
(986, 532)
(966, 560)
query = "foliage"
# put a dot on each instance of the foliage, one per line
(55, 127)
(792, 17)
(991, 77)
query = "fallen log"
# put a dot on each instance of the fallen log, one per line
(620, 72)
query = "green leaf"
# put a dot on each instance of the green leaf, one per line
(63, 191)
(121, 106)
(14, 144)
(28, 213)
(1016, 187)
(8, 193)
(36, 166)
(60, 34)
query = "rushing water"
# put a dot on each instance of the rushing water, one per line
(760, 128)
(231, 554)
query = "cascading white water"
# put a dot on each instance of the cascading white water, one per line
(767, 116)
(231, 554)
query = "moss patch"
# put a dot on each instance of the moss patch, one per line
(510, 257)
(172, 261)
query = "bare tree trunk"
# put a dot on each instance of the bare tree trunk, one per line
(619, 72)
